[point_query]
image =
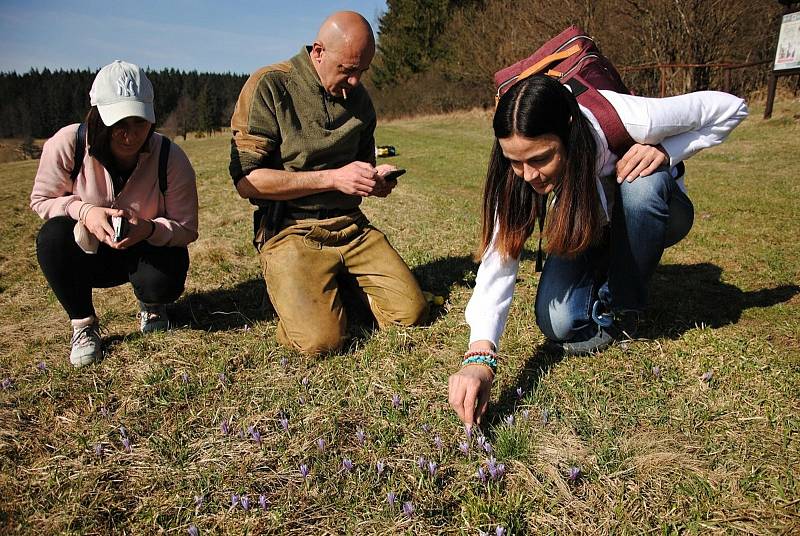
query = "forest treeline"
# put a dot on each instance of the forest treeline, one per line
(439, 55)
(38, 103)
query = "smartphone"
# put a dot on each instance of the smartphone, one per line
(392, 175)
(120, 226)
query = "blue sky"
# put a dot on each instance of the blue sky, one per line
(213, 36)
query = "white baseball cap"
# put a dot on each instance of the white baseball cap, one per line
(121, 90)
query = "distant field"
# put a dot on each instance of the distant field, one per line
(658, 454)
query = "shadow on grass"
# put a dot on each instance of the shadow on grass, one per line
(225, 308)
(545, 357)
(683, 296)
(440, 276)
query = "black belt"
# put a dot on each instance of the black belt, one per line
(318, 214)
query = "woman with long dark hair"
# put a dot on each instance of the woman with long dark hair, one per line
(120, 204)
(604, 221)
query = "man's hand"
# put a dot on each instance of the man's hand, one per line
(640, 161)
(356, 178)
(383, 187)
(97, 221)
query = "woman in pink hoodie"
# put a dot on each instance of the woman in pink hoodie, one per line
(121, 210)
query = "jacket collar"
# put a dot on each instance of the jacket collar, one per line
(305, 69)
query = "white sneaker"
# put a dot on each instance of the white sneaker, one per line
(153, 317)
(86, 344)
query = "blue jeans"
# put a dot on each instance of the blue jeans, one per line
(649, 215)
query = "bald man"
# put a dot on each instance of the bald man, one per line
(303, 152)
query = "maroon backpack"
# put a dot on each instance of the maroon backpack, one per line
(572, 58)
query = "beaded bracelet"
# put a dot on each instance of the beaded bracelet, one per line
(484, 365)
(490, 353)
(481, 358)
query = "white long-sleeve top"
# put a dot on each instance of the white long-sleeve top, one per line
(683, 125)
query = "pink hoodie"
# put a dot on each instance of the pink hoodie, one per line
(174, 213)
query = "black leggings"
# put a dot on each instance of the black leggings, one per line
(157, 274)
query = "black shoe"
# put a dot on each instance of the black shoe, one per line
(611, 327)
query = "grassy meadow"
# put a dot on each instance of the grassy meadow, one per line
(659, 452)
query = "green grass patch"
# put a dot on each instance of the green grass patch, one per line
(660, 453)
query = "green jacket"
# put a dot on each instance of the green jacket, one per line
(284, 119)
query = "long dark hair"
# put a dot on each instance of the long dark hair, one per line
(535, 106)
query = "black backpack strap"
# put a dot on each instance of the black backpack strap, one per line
(80, 149)
(163, 158)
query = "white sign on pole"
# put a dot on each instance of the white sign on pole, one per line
(787, 55)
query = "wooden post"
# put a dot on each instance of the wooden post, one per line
(772, 83)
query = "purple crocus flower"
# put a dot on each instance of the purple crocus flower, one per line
(707, 376)
(224, 427)
(284, 362)
(104, 411)
(468, 431)
(284, 420)
(483, 533)
(491, 464)
(193, 530)
(463, 446)
(320, 444)
(426, 428)
(360, 436)
(520, 392)
(496, 470)
(42, 366)
(526, 414)
(432, 468)
(234, 500)
(656, 371)
(481, 440)
(545, 416)
(185, 377)
(99, 450)
(262, 502)
(481, 475)
(500, 531)
(574, 474)
(391, 498)
(223, 379)
(304, 381)
(421, 462)
(304, 470)
(123, 432)
(395, 401)
(487, 447)
(509, 420)
(6, 383)
(245, 502)
(437, 441)
(380, 467)
(301, 401)
(126, 443)
(255, 434)
(347, 465)
(198, 503)
(500, 471)
(408, 508)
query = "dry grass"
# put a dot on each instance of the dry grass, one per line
(665, 455)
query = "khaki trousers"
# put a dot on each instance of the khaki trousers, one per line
(301, 264)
